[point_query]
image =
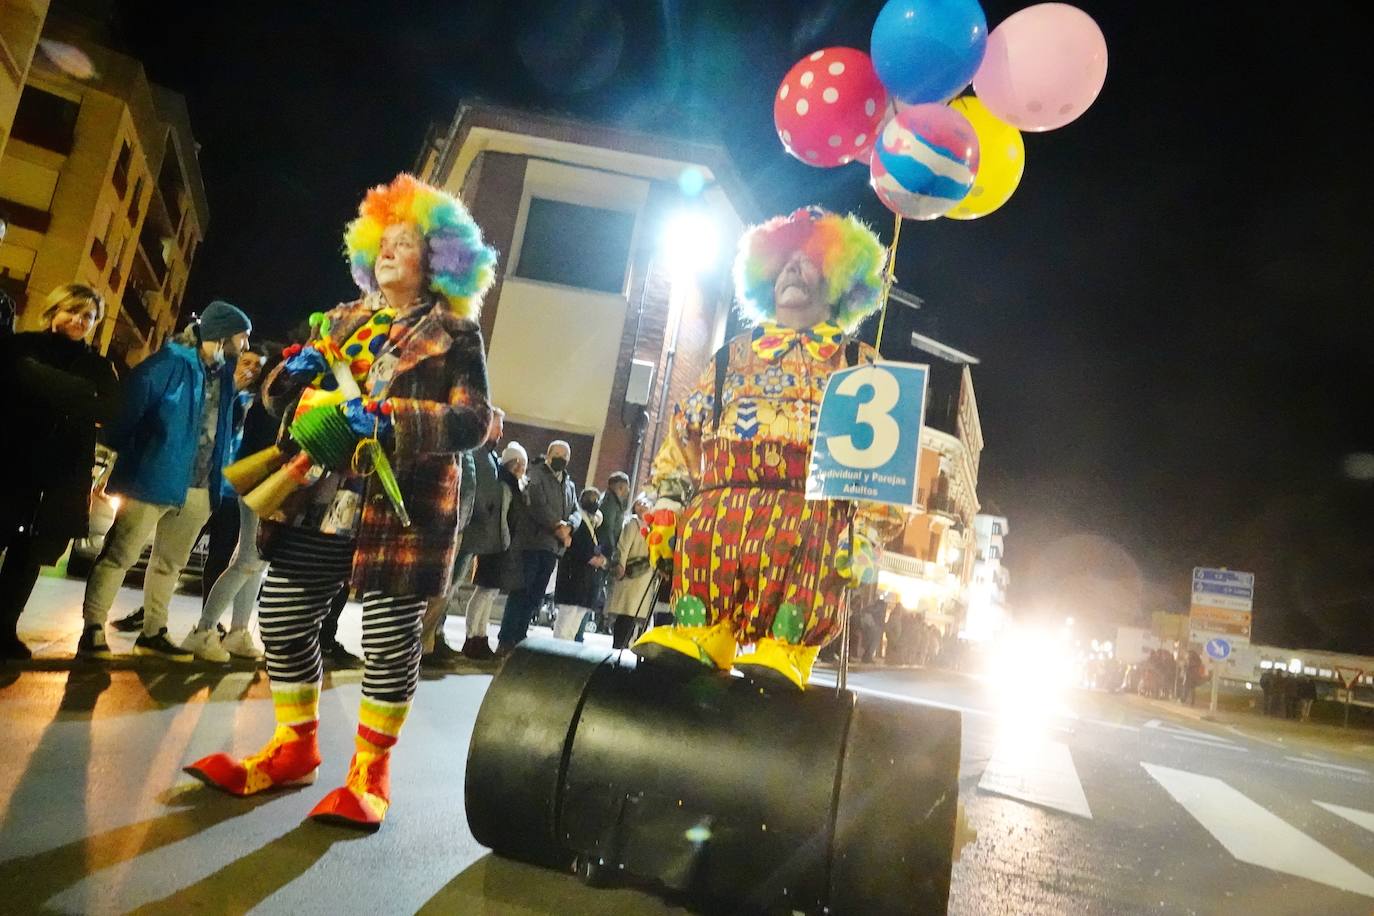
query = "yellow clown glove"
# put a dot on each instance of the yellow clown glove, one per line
(662, 536)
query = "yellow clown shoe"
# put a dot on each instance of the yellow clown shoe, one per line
(689, 639)
(781, 657)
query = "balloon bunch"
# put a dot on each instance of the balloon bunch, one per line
(930, 151)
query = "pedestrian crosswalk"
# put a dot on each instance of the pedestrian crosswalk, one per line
(1251, 833)
(1041, 771)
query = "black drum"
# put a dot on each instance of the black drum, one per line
(741, 795)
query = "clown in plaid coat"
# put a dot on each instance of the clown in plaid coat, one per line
(437, 392)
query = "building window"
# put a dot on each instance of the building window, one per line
(996, 527)
(46, 120)
(121, 169)
(574, 245)
(994, 553)
(133, 201)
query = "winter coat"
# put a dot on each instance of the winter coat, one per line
(633, 596)
(467, 489)
(503, 569)
(550, 503)
(488, 531)
(157, 430)
(612, 519)
(59, 390)
(439, 408)
(579, 583)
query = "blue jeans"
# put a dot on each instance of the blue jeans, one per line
(536, 566)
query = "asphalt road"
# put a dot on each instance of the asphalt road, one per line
(1084, 803)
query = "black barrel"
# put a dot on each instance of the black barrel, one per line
(752, 797)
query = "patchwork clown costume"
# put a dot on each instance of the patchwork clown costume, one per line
(418, 384)
(755, 562)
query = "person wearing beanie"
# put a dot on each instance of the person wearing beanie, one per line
(172, 438)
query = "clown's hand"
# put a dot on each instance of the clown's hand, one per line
(305, 361)
(662, 535)
(369, 419)
(859, 567)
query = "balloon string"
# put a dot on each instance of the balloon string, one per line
(891, 279)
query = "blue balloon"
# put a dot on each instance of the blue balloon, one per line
(928, 50)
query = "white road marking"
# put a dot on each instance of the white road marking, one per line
(1254, 835)
(1038, 771)
(1121, 725)
(1364, 818)
(1180, 731)
(1327, 766)
(1211, 743)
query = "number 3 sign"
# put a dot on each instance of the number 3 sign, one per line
(868, 435)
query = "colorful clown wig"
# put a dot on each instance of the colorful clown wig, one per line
(459, 266)
(849, 255)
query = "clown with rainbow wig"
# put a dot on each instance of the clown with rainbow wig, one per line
(754, 562)
(403, 368)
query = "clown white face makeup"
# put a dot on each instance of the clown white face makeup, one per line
(400, 264)
(799, 293)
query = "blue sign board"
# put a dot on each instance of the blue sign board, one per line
(1218, 648)
(868, 435)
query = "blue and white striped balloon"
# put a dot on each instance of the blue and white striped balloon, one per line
(925, 161)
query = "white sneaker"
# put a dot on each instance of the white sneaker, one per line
(204, 645)
(239, 643)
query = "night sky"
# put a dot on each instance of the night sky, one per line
(1173, 312)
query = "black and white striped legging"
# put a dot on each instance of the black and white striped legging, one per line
(306, 572)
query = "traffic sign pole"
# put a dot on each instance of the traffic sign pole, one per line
(1216, 679)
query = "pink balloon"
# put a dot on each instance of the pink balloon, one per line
(1043, 67)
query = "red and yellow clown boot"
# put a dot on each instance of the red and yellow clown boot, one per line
(362, 801)
(781, 658)
(291, 758)
(689, 639)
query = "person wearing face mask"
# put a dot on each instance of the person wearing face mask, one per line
(542, 534)
(581, 576)
(60, 390)
(172, 439)
(754, 562)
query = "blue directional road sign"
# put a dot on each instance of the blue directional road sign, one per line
(868, 435)
(1218, 648)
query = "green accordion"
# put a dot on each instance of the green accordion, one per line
(323, 433)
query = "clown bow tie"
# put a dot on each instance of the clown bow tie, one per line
(822, 341)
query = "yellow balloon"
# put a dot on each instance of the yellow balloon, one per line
(1001, 160)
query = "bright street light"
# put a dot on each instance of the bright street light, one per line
(690, 242)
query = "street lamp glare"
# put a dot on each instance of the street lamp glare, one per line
(690, 242)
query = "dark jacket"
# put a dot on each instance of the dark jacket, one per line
(578, 582)
(612, 520)
(467, 489)
(59, 391)
(550, 502)
(158, 427)
(438, 399)
(488, 531)
(504, 569)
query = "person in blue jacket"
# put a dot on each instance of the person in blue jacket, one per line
(172, 438)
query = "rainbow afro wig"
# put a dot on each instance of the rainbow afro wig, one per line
(849, 255)
(459, 266)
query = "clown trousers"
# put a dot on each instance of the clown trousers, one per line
(306, 574)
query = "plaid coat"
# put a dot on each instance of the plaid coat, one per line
(438, 397)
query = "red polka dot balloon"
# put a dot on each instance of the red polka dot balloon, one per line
(829, 106)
